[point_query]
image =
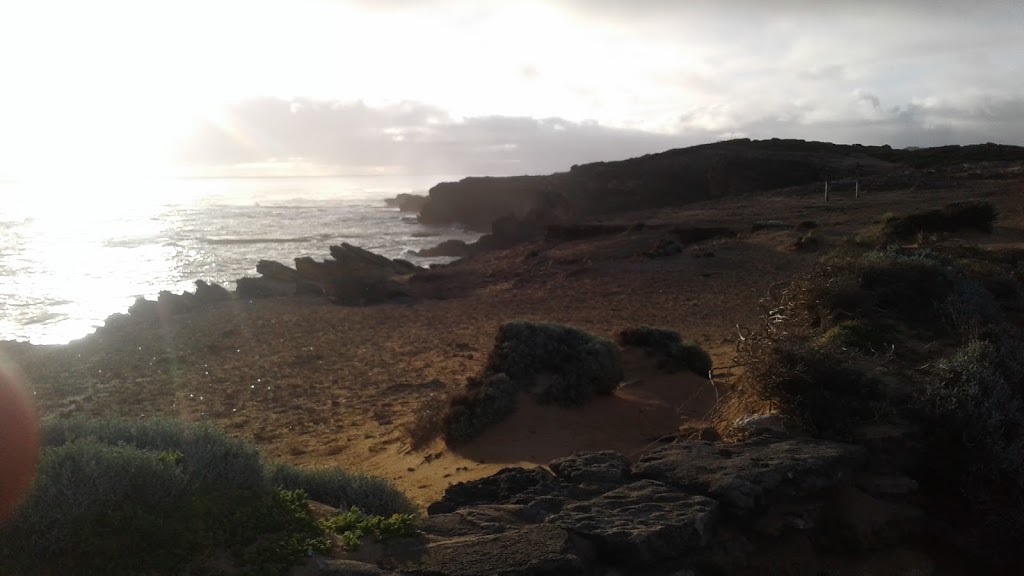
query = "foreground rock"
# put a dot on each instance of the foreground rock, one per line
(763, 506)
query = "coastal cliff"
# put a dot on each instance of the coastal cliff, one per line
(682, 176)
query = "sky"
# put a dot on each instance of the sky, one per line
(480, 87)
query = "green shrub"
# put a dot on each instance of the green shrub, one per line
(341, 489)
(482, 402)
(578, 365)
(854, 334)
(813, 387)
(968, 406)
(975, 400)
(966, 215)
(354, 525)
(668, 346)
(113, 496)
(208, 456)
(91, 500)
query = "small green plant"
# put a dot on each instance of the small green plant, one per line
(340, 489)
(352, 526)
(854, 334)
(668, 346)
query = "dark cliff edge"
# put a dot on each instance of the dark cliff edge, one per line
(681, 176)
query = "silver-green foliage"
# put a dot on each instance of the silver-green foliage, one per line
(577, 365)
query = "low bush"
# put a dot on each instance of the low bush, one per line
(554, 363)
(669, 348)
(426, 422)
(482, 402)
(813, 388)
(856, 335)
(578, 365)
(955, 374)
(340, 489)
(115, 496)
(966, 215)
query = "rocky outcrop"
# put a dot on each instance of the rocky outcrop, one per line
(477, 202)
(353, 277)
(264, 287)
(448, 248)
(210, 292)
(794, 506)
(740, 475)
(642, 523)
(407, 202)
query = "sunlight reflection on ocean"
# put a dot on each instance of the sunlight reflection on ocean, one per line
(68, 261)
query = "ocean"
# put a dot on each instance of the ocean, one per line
(72, 254)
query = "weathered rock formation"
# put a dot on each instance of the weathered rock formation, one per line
(354, 277)
(407, 202)
(449, 248)
(765, 506)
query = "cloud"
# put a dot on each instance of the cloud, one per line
(406, 137)
(415, 138)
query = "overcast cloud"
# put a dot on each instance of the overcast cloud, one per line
(481, 87)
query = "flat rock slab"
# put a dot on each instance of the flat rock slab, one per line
(477, 521)
(334, 567)
(742, 474)
(642, 523)
(541, 492)
(537, 550)
(597, 468)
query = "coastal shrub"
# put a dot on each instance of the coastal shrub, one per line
(340, 489)
(482, 402)
(426, 422)
(576, 365)
(208, 456)
(113, 496)
(669, 348)
(977, 410)
(966, 215)
(955, 373)
(854, 334)
(893, 284)
(813, 387)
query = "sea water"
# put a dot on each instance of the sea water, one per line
(72, 254)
